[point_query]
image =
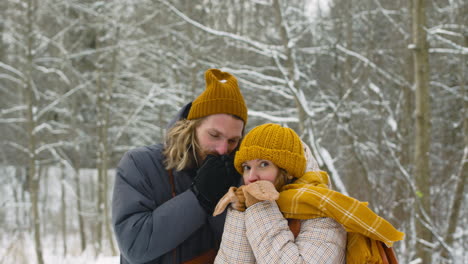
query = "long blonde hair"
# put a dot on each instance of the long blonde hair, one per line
(282, 179)
(181, 146)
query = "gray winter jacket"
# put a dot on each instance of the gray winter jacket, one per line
(152, 226)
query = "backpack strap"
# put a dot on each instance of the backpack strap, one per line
(387, 254)
(295, 226)
(206, 258)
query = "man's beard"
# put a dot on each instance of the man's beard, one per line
(202, 154)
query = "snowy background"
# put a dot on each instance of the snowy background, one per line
(384, 112)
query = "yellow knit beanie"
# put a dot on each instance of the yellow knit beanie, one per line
(221, 96)
(281, 145)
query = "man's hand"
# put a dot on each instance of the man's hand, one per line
(213, 180)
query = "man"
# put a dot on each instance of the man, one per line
(164, 195)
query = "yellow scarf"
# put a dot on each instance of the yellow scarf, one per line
(309, 197)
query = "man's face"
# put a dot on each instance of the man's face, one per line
(218, 134)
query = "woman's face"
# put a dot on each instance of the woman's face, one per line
(259, 169)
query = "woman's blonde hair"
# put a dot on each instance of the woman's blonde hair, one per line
(282, 179)
(181, 146)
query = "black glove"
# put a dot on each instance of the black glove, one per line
(213, 180)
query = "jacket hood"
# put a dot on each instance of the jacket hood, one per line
(182, 114)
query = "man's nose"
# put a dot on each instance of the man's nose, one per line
(222, 148)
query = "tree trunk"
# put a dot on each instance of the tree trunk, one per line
(33, 175)
(3, 13)
(63, 212)
(105, 142)
(99, 214)
(405, 211)
(76, 163)
(104, 99)
(463, 168)
(43, 186)
(290, 65)
(17, 196)
(422, 171)
(99, 109)
(80, 210)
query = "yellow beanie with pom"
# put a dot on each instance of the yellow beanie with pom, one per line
(281, 145)
(221, 96)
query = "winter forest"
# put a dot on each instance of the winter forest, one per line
(376, 88)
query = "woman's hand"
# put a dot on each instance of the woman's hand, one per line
(259, 191)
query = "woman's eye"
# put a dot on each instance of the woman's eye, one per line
(245, 167)
(264, 164)
(214, 135)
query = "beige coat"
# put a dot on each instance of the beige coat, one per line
(261, 235)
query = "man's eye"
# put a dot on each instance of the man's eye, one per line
(233, 141)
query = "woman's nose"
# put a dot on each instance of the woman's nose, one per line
(253, 177)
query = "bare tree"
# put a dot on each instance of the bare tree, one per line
(63, 213)
(422, 170)
(31, 123)
(100, 77)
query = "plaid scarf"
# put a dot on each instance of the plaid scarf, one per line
(310, 197)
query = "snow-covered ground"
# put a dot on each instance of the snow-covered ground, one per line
(19, 249)
(16, 237)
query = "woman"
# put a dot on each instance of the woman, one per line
(261, 234)
(271, 158)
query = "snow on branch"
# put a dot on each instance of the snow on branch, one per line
(12, 69)
(452, 90)
(387, 75)
(19, 147)
(46, 126)
(132, 117)
(13, 109)
(12, 120)
(256, 75)
(52, 145)
(439, 30)
(298, 93)
(385, 14)
(425, 219)
(275, 119)
(462, 50)
(58, 100)
(314, 50)
(52, 70)
(278, 89)
(271, 48)
(448, 51)
(334, 173)
(11, 78)
(90, 52)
